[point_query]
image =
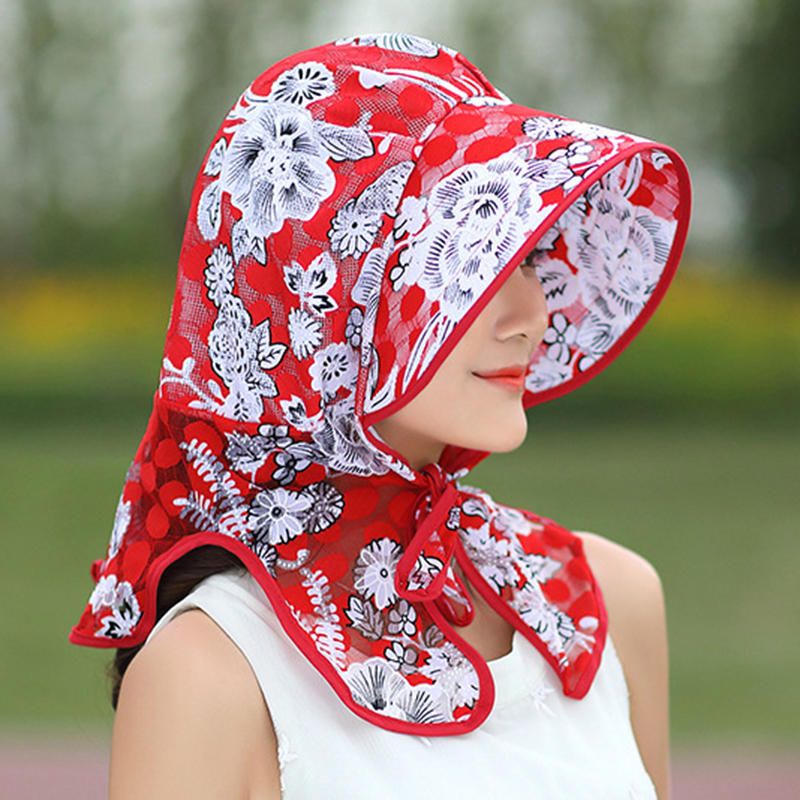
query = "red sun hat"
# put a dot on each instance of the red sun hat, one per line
(358, 207)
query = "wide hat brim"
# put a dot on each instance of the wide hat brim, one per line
(605, 212)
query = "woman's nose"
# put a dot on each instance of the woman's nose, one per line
(523, 305)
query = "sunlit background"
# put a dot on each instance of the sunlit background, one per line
(686, 449)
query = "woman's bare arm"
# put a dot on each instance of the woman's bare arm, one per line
(191, 721)
(634, 599)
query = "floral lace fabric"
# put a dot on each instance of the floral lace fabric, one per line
(358, 201)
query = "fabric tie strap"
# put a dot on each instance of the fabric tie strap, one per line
(424, 572)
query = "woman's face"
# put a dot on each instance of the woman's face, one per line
(457, 406)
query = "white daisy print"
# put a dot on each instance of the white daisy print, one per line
(277, 515)
(352, 232)
(327, 504)
(374, 571)
(305, 332)
(303, 84)
(334, 367)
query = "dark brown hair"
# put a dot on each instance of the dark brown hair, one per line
(177, 580)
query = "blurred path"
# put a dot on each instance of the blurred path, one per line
(77, 769)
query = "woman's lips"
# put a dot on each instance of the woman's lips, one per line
(507, 381)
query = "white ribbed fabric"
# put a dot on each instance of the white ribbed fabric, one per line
(536, 744)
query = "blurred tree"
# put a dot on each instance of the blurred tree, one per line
(760, 131)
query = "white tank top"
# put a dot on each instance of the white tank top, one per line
(536, 743)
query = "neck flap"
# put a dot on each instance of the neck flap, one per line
(360, 204)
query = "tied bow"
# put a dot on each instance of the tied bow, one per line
(425, 572)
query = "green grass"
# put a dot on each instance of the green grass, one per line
(712, 507)
(685, 449)
(715, 510)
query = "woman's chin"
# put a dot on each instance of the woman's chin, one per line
(502, 437)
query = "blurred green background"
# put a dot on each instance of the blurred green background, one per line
(686, 449)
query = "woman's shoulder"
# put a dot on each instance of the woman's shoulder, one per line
(634, 599)
(631, 587)
(191, 709)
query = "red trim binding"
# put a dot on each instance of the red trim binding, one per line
(486, 690)
(491, 597)
(534, 398)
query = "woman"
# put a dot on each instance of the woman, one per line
(376, 232)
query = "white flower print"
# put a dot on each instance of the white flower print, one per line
(374, 571)
(507, 519)
(558, 282)
(354, 326)
(546, 373)
(294, 411)
(122, 518)
(575, 154)
(534, 566)
(305, 332)
(424, 572)
(209, 211)
(402, 619)
(342, 443)
(479, 215)
(490, 555)
(472, 229)
(240, 353)
(401, 657)
(209, 205)
(488, 100)
(544, 127)
(327, 504)
(277, 515)
(354, 226)
(334, 367)
(559, 337)
(367, 291)
(218, 274)
(225, 509)
(245, 243)
(104, 593)
(620, 251)
(213, 165)
(584, 639)
(276, 168)
(451, 669)
(424, 704)
(410, 217)
(120, 598)
(303, 84)
(375, 685)
(403, 42)
(595, 336)
(352, 232)
(555, 628)
(295, 458)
